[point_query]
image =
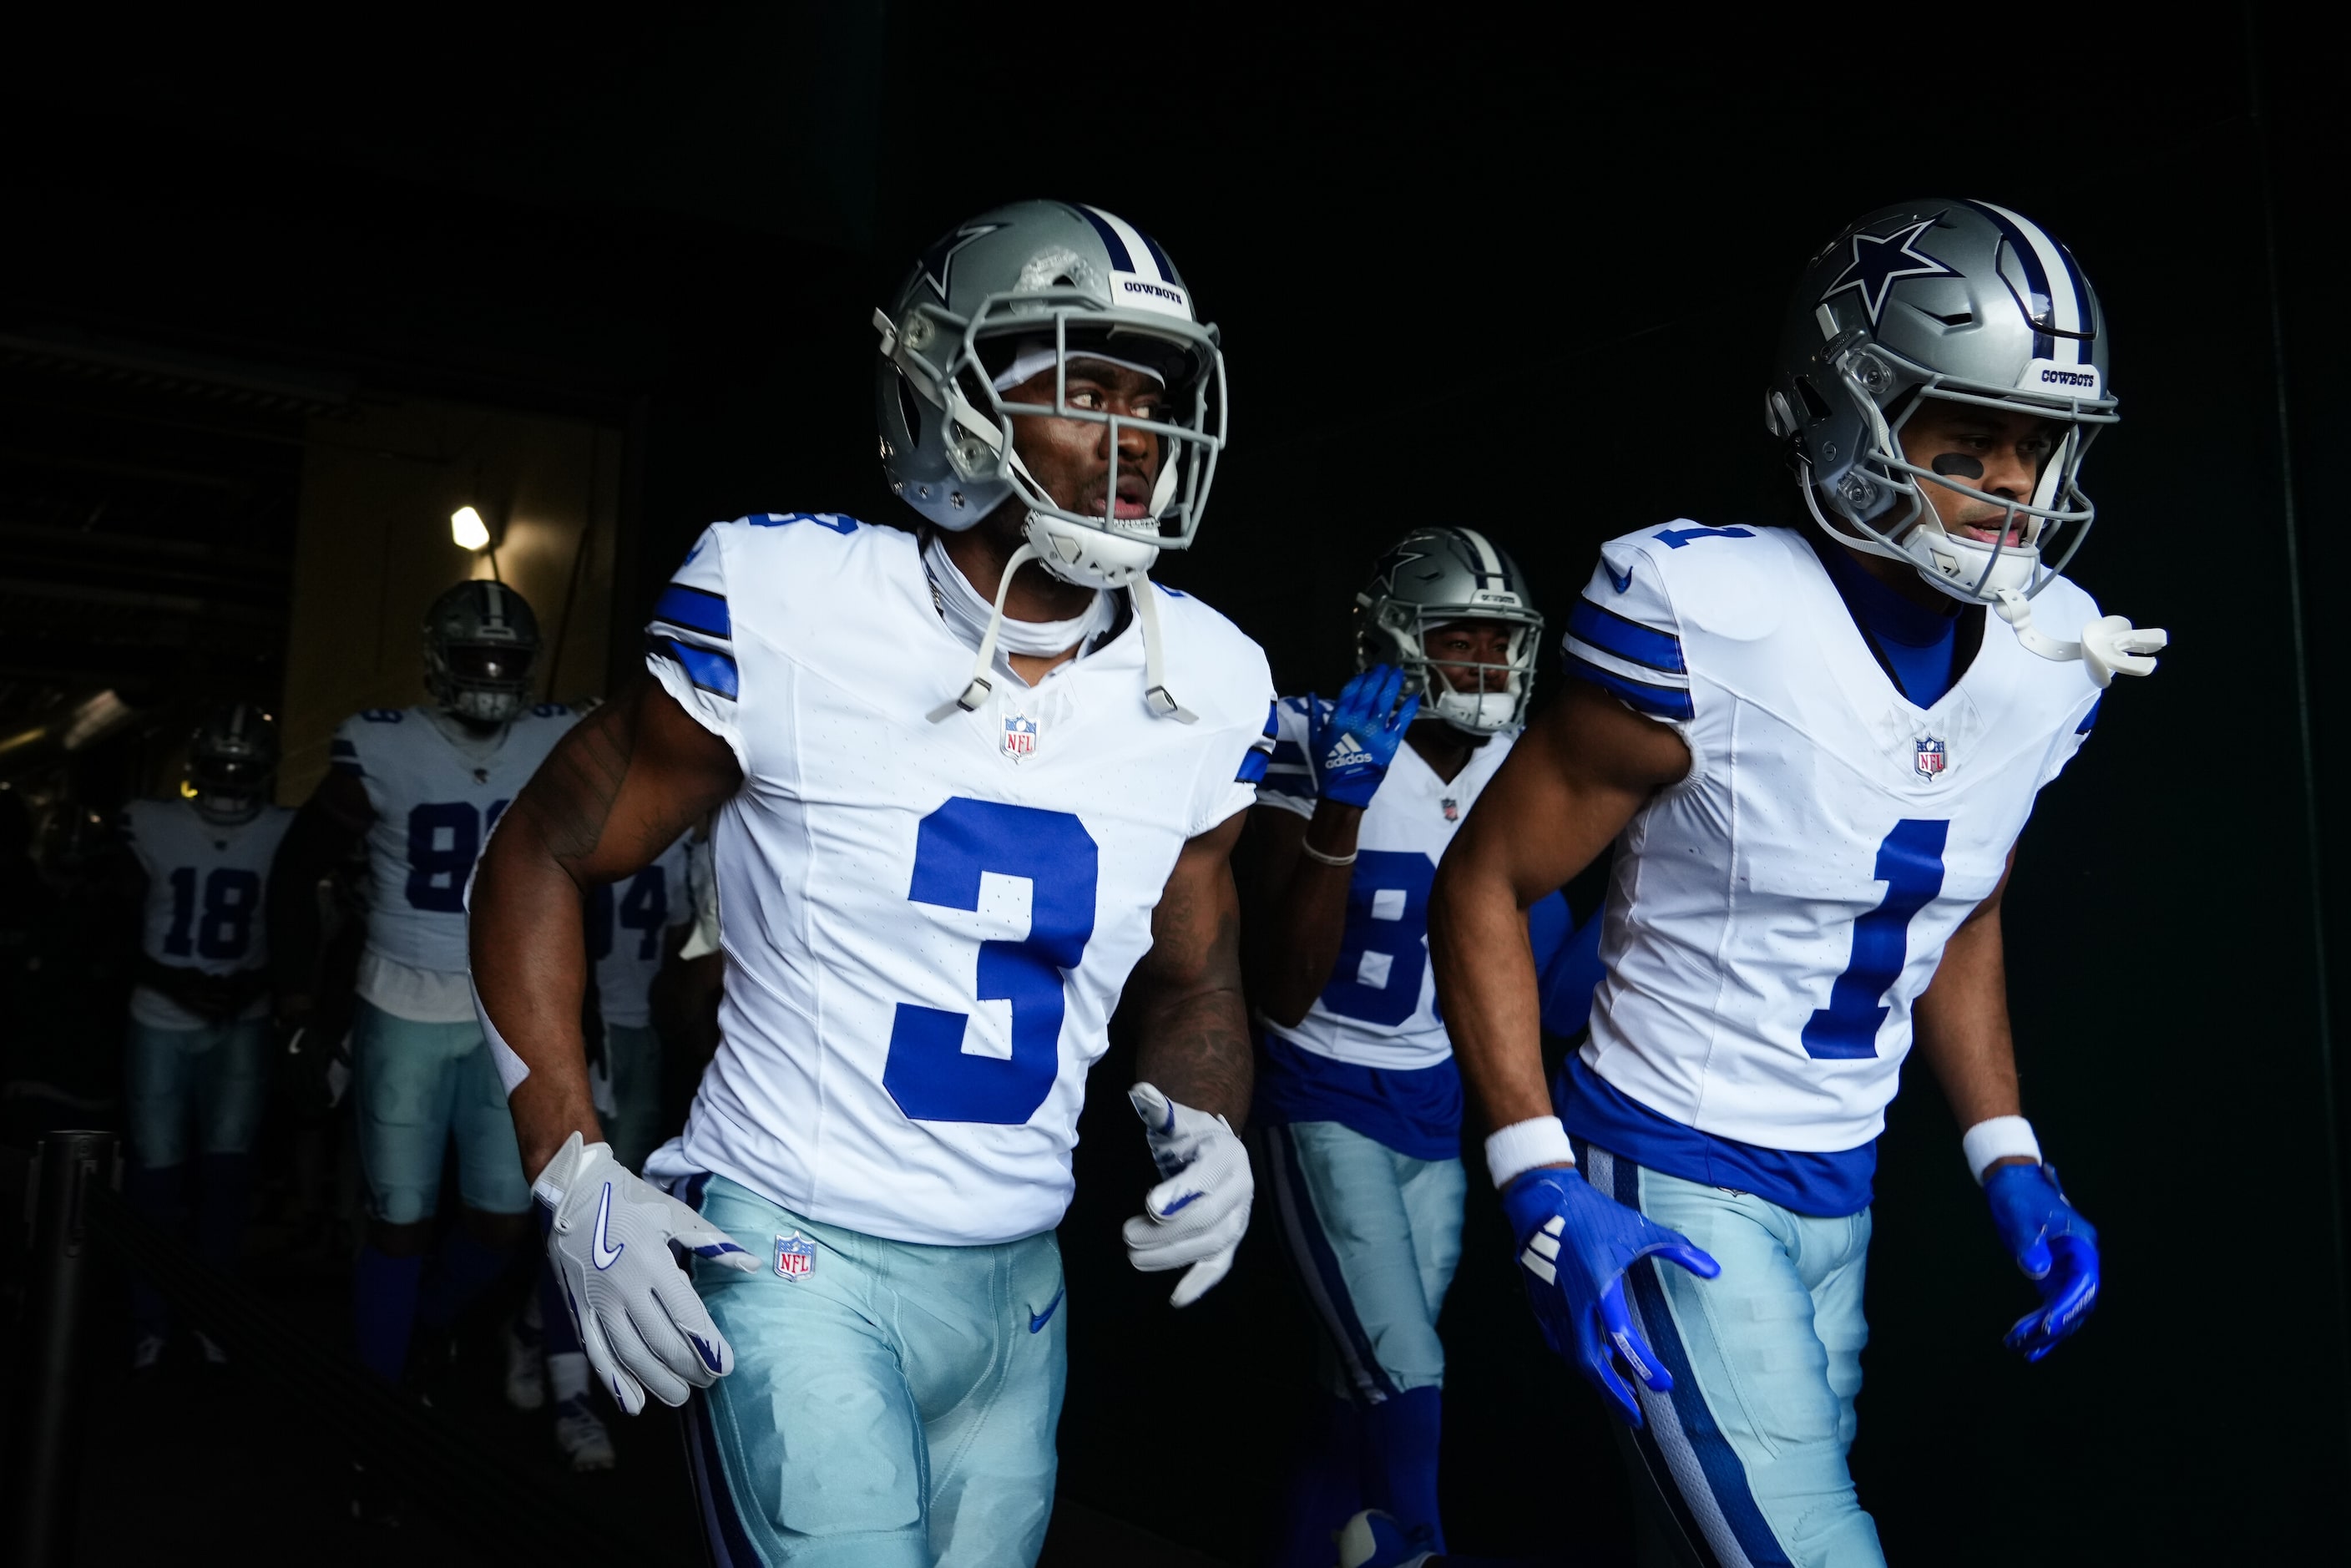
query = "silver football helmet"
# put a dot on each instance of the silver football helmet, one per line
(232, 757)
(1436, 577)
(1954, 299)
(481, 641)
(1018, 291)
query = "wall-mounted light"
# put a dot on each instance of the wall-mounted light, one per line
(467, 529)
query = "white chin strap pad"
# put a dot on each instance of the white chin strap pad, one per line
(2110, 645)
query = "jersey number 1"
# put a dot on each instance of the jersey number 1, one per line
(929, 1073)
(1910, 864)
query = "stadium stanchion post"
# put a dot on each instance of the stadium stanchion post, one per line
(43, 1469)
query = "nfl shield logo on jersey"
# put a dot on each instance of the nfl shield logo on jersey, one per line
(1932, 757)
(1019, 735)
(794, 1257)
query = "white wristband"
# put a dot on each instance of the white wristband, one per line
(1996, 1139)
(1523, 1146)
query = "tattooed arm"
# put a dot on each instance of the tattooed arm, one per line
(1195, 1044)
(615, 792)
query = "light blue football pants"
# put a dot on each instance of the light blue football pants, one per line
(210, 1080)
(892, 1406)
(1376, 1236)
(633, 1062)
(1766, 1362)
(415, 1085)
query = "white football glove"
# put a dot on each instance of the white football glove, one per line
(1196, 1219)
(644, 1328)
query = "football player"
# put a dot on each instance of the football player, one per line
(196, 1065)
(970, 782)
(633, 928)
(1358, 1100)
(423, 786)
(1819, 745)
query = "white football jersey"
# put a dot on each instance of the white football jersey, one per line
(436, 804)
(1774, 915)
(205, 885)
(628, 923)
(927, 924)
(1379, 1009)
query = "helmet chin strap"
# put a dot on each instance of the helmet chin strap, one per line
(1135, 580)
(2110, 645)
(1156, 695)
(975, 692)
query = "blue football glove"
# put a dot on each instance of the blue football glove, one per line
(1575, 1244)
(1355, 739)
(2055, 1247)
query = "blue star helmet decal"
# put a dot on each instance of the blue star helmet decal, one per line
(936, 261)
(1879, 262)
(1395, 560)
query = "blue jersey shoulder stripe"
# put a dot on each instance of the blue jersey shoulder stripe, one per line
(1626, 638)
(1662, 702)
(1272, 719)
(714, 672)
(696, 608)
(1252, 767)
(2088, 718)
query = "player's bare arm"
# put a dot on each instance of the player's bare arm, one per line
(337, 815)
(618, 791)
(1575, 779)
(1306, 904)
(1961, 1020)
(1193, 1024)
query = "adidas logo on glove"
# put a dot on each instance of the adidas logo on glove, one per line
(1347, 753)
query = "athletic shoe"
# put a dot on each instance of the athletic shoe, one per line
(580, 1434)
(1375, 1540)
(526, 1367)
(147, 1352)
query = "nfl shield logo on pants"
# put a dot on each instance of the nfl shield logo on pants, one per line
(1932, 757)
(1020, 737)
(794, 1257)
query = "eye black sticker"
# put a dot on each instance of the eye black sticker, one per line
(1958, 465)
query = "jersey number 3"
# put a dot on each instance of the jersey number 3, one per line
(929, 1073)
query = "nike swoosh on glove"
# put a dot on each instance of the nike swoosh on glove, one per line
(2055, 1247)
(1574, 1245)
(1354, 740)
(644, 1330)
(1194, 1219)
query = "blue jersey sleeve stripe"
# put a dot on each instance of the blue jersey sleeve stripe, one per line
(1273, 720)
(1662, 702)
(696, 608)
(2088, 718)
(1628, 639)
(1252, 768)
(1289, 753)
(714, 672)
